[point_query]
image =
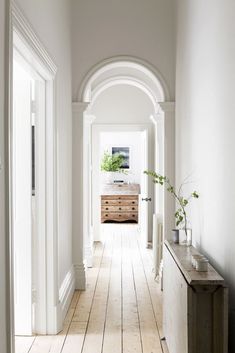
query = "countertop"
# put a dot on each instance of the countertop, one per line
(182, 256)
(120, 189)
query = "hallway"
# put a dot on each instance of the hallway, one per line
(120, 312)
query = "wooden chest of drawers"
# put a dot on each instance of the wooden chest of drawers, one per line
(119, 208)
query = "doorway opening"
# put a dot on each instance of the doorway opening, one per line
(33, 212)
(122, 98)
(125, 197)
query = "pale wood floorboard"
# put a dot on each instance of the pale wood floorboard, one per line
(148, 325)
(121, 309)
(23, 344)
(96, 324)
(78, 327)
(113, 325)
(153, 285)
(131, 326)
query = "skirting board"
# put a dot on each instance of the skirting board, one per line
(88, 256)
(80, 276)
(66, 292)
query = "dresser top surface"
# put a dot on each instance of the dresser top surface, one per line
(182, 257)
(120, 189)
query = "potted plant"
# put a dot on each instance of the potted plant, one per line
(112, 163)
(181, 201)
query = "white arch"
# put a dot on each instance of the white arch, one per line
(121, 70)
(127, 70)
(110, 72)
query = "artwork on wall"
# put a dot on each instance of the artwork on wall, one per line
(125, 152)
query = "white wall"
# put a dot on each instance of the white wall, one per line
(122, 104)
(51, 22)
(4, 322)
(107, 28)
(205, 128)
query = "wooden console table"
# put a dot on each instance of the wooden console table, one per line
(195, 304)
(119, 203)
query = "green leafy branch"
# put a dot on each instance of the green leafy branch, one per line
(112, 163)
(180, 214)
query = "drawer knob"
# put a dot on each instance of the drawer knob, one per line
(119, 215)
(107, 208)
(133, 208)
(120, 208)
(133, 215)
(106, 215)
(133, 202)
(106, 202)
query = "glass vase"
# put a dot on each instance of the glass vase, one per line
(185, 237)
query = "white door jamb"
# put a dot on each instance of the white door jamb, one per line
(23, 38)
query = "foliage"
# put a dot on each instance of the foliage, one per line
(180, 214)
(112, 163)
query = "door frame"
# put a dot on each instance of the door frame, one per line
(96, 130)
(23, 39)
(147, 150)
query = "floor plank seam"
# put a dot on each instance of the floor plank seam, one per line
(107, 300)
(93, 298)
(32, 344)
(69, 326)
(136, 297)
(150, 297)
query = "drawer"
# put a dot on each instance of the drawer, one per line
(123, 202)
(118, 217)
(119, 208)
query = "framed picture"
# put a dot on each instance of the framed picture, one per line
(125, 152)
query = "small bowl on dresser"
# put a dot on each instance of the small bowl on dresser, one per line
(202, 265)
(194, 259)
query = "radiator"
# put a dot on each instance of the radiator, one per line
(157, 244)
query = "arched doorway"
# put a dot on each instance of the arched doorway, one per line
(109, 73)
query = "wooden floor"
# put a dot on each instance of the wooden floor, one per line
(121, 310)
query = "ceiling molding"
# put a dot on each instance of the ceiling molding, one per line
(22, 27)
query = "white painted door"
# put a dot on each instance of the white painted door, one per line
(22, 208)
(144, 197)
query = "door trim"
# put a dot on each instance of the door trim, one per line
(24, 40)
